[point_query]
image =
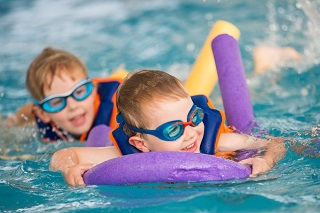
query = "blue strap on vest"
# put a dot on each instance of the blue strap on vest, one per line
(106, 91)
(212, 121)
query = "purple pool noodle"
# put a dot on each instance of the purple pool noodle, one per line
(99, 136)
(232, 82)
(234, 90)
(165, 167)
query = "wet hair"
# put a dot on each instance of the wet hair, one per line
(141, 92)
(45, 66)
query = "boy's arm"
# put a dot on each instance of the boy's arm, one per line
(230, 142)
(74, 162)
(274, 150)
(22, 117)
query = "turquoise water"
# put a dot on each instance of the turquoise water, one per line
(166, 35)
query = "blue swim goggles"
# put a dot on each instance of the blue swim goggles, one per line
(56, 103)
(173, 130)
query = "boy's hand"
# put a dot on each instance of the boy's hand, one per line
(275, 151)
(259, 165)
(73, 175)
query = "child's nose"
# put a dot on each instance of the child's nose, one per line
(189, 132)
(71, 103)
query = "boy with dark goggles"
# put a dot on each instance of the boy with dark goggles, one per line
(171, 130)
(56, 103)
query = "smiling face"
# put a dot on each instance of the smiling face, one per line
(77, 117)
(166, 111)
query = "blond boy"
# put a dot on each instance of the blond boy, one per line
(67, 102)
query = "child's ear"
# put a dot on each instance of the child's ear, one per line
(139, 143)
(42, 115)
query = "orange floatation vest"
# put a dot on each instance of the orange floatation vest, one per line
(214, 122)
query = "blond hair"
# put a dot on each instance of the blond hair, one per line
(141, 91)
(49, 63)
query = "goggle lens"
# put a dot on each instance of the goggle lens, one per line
(174, 132)
(54, 105)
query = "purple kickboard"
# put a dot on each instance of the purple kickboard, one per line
(165, 167)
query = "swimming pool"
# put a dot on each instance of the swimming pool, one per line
(164, 35)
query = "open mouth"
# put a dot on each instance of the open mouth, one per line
(78, 120)
(191, 148)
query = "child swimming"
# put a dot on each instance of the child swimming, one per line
(159, 115)
(67, 102)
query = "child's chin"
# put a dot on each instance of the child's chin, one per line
(80, 130)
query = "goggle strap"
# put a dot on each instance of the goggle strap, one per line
(119, 118)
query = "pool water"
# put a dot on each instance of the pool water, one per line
(166, 35)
